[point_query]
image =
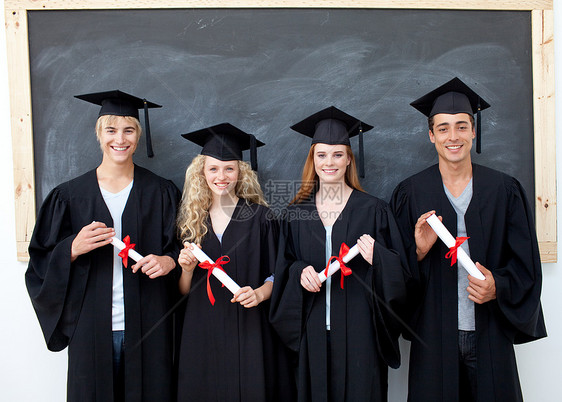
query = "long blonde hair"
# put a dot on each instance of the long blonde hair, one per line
(197, 198)
(310, 180)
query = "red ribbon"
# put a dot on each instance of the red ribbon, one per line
(345, 271)
(209, 267)
(124, 254)
(452, 253)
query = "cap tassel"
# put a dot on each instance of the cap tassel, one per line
(253, 153)
(478, 130)
(149, 151)
(361, 154)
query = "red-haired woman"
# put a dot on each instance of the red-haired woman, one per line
(344, 330)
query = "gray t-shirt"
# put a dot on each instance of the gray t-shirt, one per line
(465, 305)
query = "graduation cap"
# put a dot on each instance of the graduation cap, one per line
(117, 103)
(334, 127)
(225, 142)
(451, 98)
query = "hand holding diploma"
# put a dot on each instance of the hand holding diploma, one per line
(249, 297)
(187, 262)
(366, 245)
(424, 236)
(126, 249)
(482, 291)
(151, 265)
(90, 237)
(215, 269)
(346, 255)
(312, 280)
(186, 259)
(453, 245)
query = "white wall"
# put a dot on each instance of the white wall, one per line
(28, 372)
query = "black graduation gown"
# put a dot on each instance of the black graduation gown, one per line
(73, 300)
(502, 238)
(229, 352)
(364, 330)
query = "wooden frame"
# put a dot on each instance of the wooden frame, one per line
(542, 18)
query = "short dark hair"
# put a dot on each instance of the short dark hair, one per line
(430, 122)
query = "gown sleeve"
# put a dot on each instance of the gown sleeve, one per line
(171, 245)
(405, 222)
(55, 285)
(415, 273)
(286, 310)
(389, 294)
(519, 278)
(269, 243)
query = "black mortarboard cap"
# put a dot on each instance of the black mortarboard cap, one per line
(117, 103)
(451, 98)
(334, 127)
(225, 142)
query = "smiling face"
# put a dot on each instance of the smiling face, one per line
(331, 162)
(118, 137)
(221, 176)
(452, 135)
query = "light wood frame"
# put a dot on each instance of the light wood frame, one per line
(542, 19)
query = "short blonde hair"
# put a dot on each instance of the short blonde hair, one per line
(109, 119)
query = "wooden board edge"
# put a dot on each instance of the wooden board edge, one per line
(21, 125)
(548, 251)
(544, 125)
(397, 4)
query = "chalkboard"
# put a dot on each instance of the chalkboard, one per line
(264, 69)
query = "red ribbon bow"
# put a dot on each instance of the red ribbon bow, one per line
(345, 271)
(209, 267)
(452, 253)
(124, 254)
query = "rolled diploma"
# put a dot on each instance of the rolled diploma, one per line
(120, 245)
(449, 241)
(219, 274)
(334, 266)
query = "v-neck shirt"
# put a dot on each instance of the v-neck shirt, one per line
(466, 318)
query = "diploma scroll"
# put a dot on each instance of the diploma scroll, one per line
(120, 246)
(449, 241)
(219, 274)
(335, 266)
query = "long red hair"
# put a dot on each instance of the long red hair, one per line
(310, 181)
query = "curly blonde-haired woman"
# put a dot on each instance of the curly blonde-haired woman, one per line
(228, 350)
(198, 198)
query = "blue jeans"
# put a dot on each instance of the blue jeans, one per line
(118, 374)
(467, 366)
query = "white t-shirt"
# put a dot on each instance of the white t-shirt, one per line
(116, 204)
